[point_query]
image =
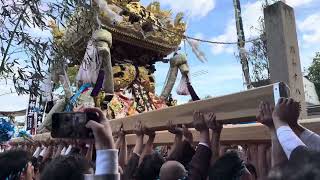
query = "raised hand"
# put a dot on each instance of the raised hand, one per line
(199, 121)
(138, 128)
(120, 132)
(101, 130)
(174, 129)
(187, 134)
(285, 110)
(213, 124)
(282, 110)
(294, 109)
(149, 132)
(265, 114)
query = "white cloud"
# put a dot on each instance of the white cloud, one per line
(251, 12)
(13, 102)
(230, 35)
(310, 30)
(40, 33)
(196, 8)
(296, 3)
(9, 100)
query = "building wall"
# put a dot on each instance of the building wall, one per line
(310, 92)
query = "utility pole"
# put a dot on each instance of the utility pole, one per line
(241, 44)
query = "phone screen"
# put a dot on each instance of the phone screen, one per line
(70, 125)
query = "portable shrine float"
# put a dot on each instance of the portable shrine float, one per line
(115, 48)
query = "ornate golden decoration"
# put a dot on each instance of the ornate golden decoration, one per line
(123, 76)
(147, 27)
(155, 24)
(56, 32)
(146, 79)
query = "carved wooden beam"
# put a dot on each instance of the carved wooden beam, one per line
(235, 108)
(231, 134)
(240, 107)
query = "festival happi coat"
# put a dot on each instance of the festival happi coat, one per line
(115, 48)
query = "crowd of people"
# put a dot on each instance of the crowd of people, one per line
(294, 152)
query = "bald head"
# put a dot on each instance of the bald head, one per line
(172, 170)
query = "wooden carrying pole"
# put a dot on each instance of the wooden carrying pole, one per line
(231, 134)
(239, 107)
(234, 108)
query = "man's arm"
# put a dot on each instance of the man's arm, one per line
(121, 144)
(118, 142)
(133, 162)
(59, 149)
(89, 152)
(47, 154)
(265, 118)
(287, 138)
(123, 151)
(262, 160)
(107, 165)
(148, 148)
(178, 132)
(37, 152)
(216, 128)
(309, 138)
(200, 162)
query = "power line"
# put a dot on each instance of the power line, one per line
(7, 93)
(219, 42)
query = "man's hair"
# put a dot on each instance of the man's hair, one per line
(172, 170)
(227, 167)
(303, 164)
(13, 162)
(149, 168)
(65, 168)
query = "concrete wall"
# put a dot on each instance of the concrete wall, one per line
(310, 92)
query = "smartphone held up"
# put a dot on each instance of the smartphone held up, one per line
(72, 125)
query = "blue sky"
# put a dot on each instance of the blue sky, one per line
(214, 20)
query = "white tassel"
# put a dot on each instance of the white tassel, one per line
(182, 88)
(196, 50)
(89, 69)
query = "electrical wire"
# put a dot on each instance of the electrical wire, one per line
(7, 93)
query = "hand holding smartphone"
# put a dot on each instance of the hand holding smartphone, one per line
(72, 125)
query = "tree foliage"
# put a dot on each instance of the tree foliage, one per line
(314, 72)
(24, 55)
(258, 58)
(257, 53)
